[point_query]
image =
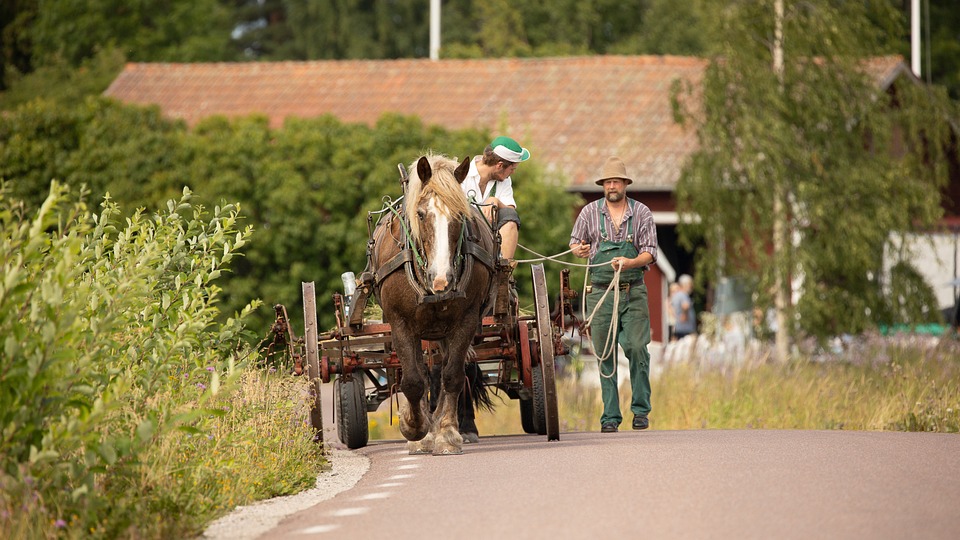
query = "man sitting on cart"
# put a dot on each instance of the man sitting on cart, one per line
(489, 184)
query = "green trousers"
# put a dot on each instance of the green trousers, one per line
(633, 334)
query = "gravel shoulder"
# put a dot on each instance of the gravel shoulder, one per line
(247, 522)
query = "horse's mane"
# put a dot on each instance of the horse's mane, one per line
(443, 186)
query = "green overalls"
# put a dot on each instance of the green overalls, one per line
(633, 330)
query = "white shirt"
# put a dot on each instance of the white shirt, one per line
(471, 186)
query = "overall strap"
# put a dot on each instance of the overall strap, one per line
(603, 227)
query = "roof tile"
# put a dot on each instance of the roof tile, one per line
(572, 112)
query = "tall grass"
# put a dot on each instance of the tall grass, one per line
(881, 384)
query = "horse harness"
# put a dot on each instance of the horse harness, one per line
(410, 260)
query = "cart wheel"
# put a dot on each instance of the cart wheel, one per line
(538, 403)
(313, 358)
(547, 367)
(526, 416)
(351, 413)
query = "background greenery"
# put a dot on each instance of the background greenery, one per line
(69, 49)
(306, 187)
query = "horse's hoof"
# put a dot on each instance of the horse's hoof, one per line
(469, 438)
(448, 452)
(425, 445)
(418, 448)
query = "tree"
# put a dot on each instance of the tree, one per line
(817, 140)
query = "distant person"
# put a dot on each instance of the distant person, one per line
(619, 233)
(682, 305)
(671, 314)
(489, 183)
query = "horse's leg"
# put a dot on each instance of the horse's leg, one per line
(434, 411)
(434, 386)
(446, 427)
(414, 418)
(466, 411)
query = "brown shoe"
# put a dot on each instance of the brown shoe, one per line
(609, 427)
(640, 422)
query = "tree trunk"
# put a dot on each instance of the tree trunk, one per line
(781, 256)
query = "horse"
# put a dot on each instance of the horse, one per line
(434, 266)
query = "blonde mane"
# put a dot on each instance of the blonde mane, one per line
(442, 186)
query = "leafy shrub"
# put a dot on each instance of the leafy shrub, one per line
(111, 350)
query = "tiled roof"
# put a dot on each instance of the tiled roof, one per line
(571, 112)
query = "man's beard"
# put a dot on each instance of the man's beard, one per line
(614, 196)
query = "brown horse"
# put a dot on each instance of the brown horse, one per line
(434, 270)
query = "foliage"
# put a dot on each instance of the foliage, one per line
(111, 351)
(805, 136)
(306, 187)
(67, 35)
(63, 83)
(157, 31)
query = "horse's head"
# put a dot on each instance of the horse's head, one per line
(436, 209)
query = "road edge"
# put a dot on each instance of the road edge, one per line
(248, 522)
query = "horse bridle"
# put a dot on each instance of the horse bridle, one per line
(409, 259)
(468, 251)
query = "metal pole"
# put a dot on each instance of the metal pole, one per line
(915, 37)
(434, 30)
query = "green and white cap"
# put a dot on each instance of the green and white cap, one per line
(509, 149)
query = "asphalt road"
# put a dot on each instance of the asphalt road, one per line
(653, 484)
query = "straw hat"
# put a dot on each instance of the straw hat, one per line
(614, 168)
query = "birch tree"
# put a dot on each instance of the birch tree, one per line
(807, 163)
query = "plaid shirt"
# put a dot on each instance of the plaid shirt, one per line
(587, 227)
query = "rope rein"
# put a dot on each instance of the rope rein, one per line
(610, 342)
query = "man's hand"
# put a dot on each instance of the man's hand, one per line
(580, 250)
(620, 263)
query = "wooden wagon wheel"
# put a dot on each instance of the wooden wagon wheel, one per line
(547, 367)
(313, 358)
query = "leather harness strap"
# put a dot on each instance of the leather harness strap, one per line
(471, 251)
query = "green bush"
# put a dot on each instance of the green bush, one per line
(112, 357)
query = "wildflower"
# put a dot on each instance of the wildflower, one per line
(210, 368)
(201, 386)
(60, 524)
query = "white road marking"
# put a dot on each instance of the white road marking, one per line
(350, 511)
(372, 496)
(318, 529)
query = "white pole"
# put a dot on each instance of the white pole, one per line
(915, 36)
(434, 30)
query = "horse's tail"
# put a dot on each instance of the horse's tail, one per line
(475, 388)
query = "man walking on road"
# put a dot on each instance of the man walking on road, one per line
(619, 234)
